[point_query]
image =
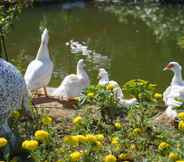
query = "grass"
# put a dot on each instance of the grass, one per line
(99, 131)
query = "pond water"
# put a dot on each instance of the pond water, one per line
(127, 49)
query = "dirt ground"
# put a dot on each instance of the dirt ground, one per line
(57, 107)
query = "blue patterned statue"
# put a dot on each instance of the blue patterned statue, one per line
(13, 95)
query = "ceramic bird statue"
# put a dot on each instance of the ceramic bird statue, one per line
(14, 95)
(39, 71)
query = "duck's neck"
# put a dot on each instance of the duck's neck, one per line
(83, 76)
(43, 52)
(81, 72)
(177, 78)
(104, 80)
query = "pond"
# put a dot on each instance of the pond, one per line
(127, 49)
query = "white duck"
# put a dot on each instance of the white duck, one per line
(39, 71)
(175, 90)
(73, 84)
(104, 79)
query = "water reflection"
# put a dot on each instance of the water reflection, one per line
(127, 49)
(163, 20)
(71, 5)
(82, 48)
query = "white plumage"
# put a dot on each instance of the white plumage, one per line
(82, 74)
(39, 71)
(73, 84)
(175, 92)
(104, 79)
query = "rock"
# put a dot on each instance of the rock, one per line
(56, 110)
(56, 107)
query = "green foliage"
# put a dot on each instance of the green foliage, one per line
(99, 95)
(104, 98)
(89, 137)
(9, 11)
(181, 42)
(141, 89)
(25, 129)
(164, 21)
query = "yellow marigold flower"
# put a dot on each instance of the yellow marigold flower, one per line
(91, 138)
(90, 94)
(110, 158)
(75, 156)
(181, 115)
(100, 137)
(109, 87)
(137, 131)
(72, 140)
(179, 160)
(46, 120)
(30, 145)
(123, 156)
(158, 95)
(117, 125)
(77, 120)
(99, 144)
(81, 138)
(3, 142)
(173, 156)
(41, 134)
(115, 141)
(163, 145)
(181, 125)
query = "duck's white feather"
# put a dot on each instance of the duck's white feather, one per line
(173, 96)
(175, 91)
(118, 94)
(73, 84)
(70, 87)
(39, 71)
(128, 102)
(38, 74)
(82, 74)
